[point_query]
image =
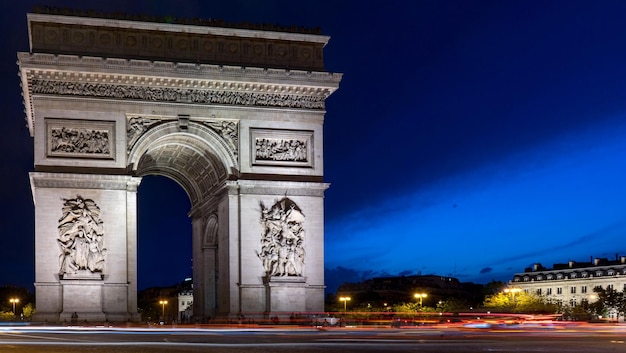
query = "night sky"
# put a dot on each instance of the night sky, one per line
(467, 138)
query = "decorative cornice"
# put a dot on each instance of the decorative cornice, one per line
(282, 188)
(175, 74)
(84, 181)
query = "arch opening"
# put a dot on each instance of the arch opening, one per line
(164, 251)
(192, 162)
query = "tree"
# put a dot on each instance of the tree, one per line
(28, 310)
(609, 301)
(518, 302)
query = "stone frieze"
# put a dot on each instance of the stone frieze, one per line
(182, 95)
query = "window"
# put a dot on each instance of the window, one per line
(539, 291)
(609, 287)
(572, 275)
(572, 290)
(539, 277)
(559, 276)
(599, 273)
(550, 276)
(584, 274)
(549, 291)
(572, 302)
(583, 289)
(559, 290)
(611, 272)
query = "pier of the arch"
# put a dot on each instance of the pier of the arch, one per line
(236, 119)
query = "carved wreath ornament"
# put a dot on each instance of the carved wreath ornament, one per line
(282, 241)
(80, 237)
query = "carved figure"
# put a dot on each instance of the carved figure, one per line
(78, 140)
(167, 94)
(282, 242)
(136, 126)
(229, 132)
(80, 237)
(271, 149)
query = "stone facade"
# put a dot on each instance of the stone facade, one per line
(573, 283)
(234, 137)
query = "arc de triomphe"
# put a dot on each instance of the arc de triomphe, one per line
(233, 115)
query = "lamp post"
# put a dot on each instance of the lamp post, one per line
(14, 301)
(420, 296)
(345, 301)
(163, 302)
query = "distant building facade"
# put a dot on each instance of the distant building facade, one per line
(573, 283)
(185, 301)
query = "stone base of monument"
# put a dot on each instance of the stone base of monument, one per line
(286, 296)
(82, 298)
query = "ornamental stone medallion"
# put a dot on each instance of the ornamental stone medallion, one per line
(233, 114)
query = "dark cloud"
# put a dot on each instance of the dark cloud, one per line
(486, 270)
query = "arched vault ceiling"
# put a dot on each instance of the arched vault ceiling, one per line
(187, 162)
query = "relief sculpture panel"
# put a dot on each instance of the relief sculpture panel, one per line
(81, 236)
(80, 138)
(282, 147)
(282, 241)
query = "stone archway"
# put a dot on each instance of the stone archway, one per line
(233, 116)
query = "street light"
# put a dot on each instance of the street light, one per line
(512, 291)
(420, 296)
(163, 302)
(345, 301)
(14, 301)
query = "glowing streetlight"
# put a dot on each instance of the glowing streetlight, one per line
(14, 301)
(163, 302)
(345, 301)
(512, 291)
(420, 296)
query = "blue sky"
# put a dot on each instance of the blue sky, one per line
(467, 138)
(558, 201)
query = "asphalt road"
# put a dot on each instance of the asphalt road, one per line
(296, 340)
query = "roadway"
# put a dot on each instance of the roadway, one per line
(49, 339)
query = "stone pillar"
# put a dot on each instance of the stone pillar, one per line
(84, 263)
(131, 248)
(209, 273)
